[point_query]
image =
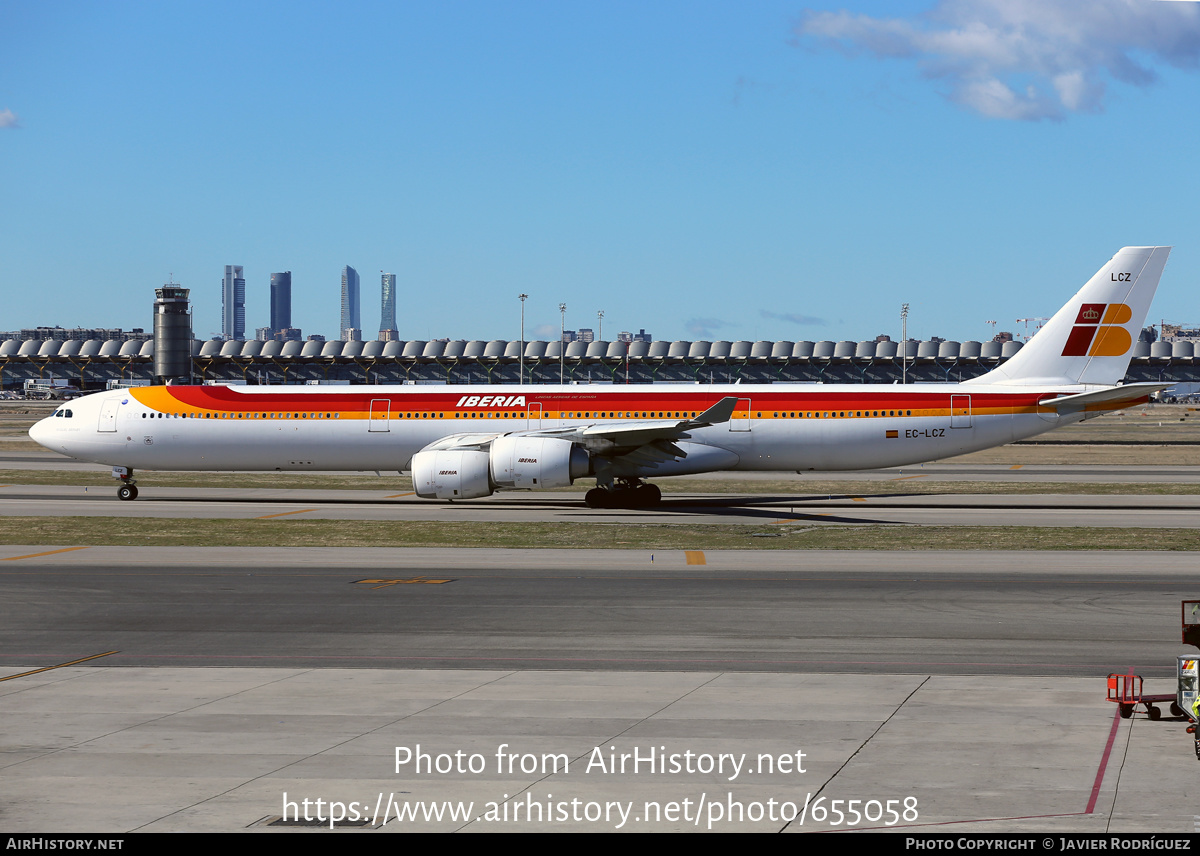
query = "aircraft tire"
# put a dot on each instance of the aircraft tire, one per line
(644, 496)
(127, 492)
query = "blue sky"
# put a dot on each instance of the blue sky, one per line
(710, 170)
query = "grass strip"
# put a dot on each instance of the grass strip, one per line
(286, 533)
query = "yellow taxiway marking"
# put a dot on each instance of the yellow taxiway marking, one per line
(858, 498)
(398, 495)
(1016, 466)
(695, 557)
(385, 583)
(285, 513)
(47, 553)
(905, 478)
(59, 666)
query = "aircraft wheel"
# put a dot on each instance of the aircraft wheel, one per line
(597, 497)
(1126, 711)
(127, 492)
(648, 495)
(1154, 713)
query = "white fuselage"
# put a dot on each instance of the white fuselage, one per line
(774, 427)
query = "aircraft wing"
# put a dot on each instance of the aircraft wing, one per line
(607, 438)
(460, 442)
(626, 448)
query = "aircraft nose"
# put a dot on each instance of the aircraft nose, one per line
(40, 432)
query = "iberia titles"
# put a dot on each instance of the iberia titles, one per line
(491, 401)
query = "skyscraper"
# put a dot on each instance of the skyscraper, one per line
(233, 304)
(351, 316)
(387, 311)
(281, 301)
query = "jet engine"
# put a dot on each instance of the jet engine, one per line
(451, 474)
(523, 461)
(513, 461)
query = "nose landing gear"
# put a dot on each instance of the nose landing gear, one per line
(128, 489)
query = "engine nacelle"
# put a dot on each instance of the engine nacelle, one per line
(451, 474)
(520, 461)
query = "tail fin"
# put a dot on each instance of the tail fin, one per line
(1090, 340)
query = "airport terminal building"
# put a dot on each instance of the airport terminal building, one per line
(94, 363)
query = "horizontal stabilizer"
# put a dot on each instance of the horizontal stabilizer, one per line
(1117, 397)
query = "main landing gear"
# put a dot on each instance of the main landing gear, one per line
(128, 489)
(626, 493)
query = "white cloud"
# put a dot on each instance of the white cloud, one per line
(793, 317)
(8, 119)
(1024, 59)
(703, 328)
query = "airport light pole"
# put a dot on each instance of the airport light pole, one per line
(904, 343)
(600, 326)
(562, 335)
(522, 298)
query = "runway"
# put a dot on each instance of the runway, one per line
(1148, 511)
(999, 613)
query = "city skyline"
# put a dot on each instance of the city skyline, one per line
(234, 290)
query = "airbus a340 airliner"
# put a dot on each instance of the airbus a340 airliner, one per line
(467, 442)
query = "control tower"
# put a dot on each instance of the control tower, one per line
(172, 334)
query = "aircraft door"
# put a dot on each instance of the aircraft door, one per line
(108, 415)
(960, 411)
(533, 415)
(740, 420)
(380, 409)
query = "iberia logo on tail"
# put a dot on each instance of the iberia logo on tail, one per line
(1095, 333)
